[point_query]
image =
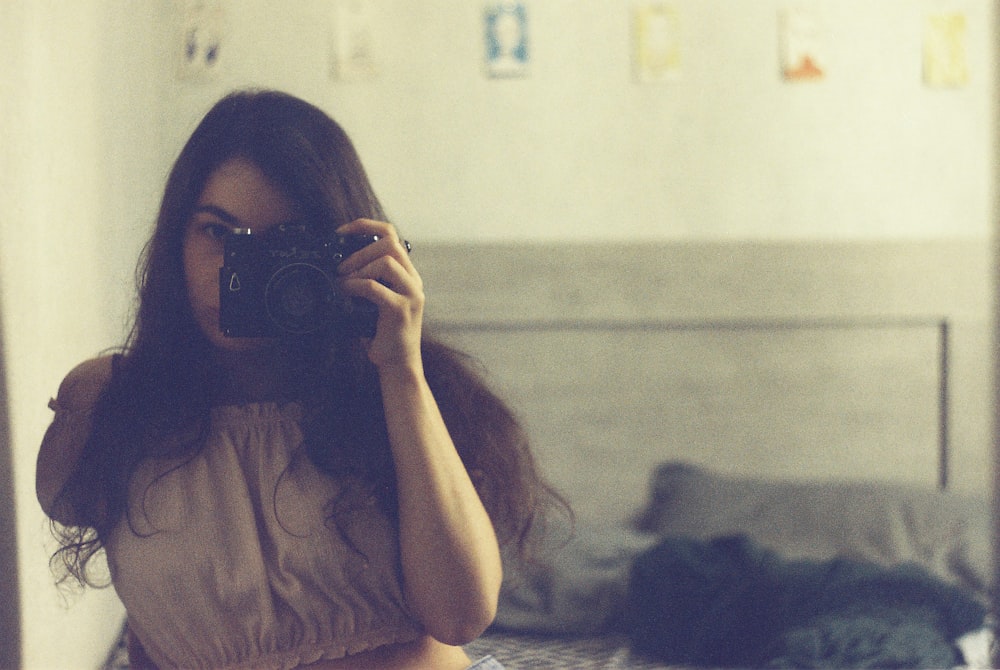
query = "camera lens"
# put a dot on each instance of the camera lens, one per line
(297, 297)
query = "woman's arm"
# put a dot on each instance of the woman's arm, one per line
(451, 560)
(449, 550)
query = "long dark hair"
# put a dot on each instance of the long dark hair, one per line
(158, 400)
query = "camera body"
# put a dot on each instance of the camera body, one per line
(283, 282)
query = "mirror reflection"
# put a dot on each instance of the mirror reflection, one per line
(729, 268)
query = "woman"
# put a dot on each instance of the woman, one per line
(320, 500)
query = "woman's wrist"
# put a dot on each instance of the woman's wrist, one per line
(404, 373)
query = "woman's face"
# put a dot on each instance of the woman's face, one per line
(236, 195)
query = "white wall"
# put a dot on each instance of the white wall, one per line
(92, 117)
(62, 156)
(578, 149)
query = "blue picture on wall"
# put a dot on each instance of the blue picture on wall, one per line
(506, 33)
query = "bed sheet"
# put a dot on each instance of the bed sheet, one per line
(518, 650)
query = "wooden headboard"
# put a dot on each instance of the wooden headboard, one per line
(813, 361)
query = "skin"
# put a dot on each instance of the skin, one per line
(450, 558)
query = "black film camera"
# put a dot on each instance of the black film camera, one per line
(283, 283)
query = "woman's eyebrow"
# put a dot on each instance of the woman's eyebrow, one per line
(219, 213)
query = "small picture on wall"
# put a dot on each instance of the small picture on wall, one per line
(945, 62)
(656, 42)
(506, 39)
(201, 39)
(802, 45)
(352, 47)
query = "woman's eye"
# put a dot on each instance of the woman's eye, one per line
(216, 231)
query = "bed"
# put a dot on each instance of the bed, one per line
(808, 408)
(573, 609)
(821, 402)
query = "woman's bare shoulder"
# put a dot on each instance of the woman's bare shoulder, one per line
(67, 434)
(83, 384)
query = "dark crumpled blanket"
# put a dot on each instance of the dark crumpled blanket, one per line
(728, 602)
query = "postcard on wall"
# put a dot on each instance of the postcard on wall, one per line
(802, 44)
(945, 56)
(505, 29)
(656, 42)
(201, 39)
(352, 46)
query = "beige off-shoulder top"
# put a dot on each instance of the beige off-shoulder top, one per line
(247, 555)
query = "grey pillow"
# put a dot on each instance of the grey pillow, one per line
(946, 533)
(576, 584)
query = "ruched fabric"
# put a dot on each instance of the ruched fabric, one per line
(246, 556)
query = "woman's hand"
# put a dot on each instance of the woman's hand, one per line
(382, 273)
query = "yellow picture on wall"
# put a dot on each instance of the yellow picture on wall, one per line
(657, 43)
(945, 61)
